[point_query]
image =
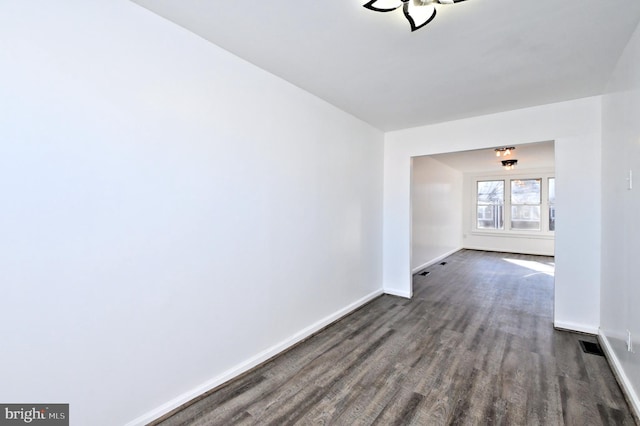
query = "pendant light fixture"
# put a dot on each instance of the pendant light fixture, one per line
(509, 164)
(418, 12)
(504, 151)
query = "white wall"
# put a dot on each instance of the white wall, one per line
(436, 211)
(575, 127)
(539, 243)
(620, 217)
(170, 213)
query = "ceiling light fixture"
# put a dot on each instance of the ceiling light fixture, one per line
(418, 12)
(504, 151)
(509, 164)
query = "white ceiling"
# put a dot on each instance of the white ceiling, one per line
(476, 57)
(530, 156)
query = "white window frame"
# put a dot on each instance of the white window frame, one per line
(507, 177)
(477, 204)
(538, 204)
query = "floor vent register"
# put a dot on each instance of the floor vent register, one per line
(591, 348)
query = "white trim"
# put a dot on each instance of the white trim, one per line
(394, 292)
(618, 371)
(251, 362)
(580, 328)
(434, 261)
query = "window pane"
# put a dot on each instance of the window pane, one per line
(552, 201)
(491, 192)
(525, 217)
(491, 216)
(490, 208)
(526, 191)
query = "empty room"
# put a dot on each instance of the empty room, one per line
(305, 213)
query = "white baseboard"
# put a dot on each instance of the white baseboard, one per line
(394, 292)
(618, 371)
(572, 326)
(250, 363)
(506, 250)
(434, 261)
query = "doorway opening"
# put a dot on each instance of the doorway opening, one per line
(468, 200)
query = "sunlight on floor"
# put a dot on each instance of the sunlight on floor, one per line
(538, 267)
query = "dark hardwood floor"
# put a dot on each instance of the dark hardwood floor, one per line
(474, 346)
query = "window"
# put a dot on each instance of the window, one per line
(525, 204)
(552, 204)
(490, 207)
(519, 204)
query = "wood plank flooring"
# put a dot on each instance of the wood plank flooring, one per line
(474, 346)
